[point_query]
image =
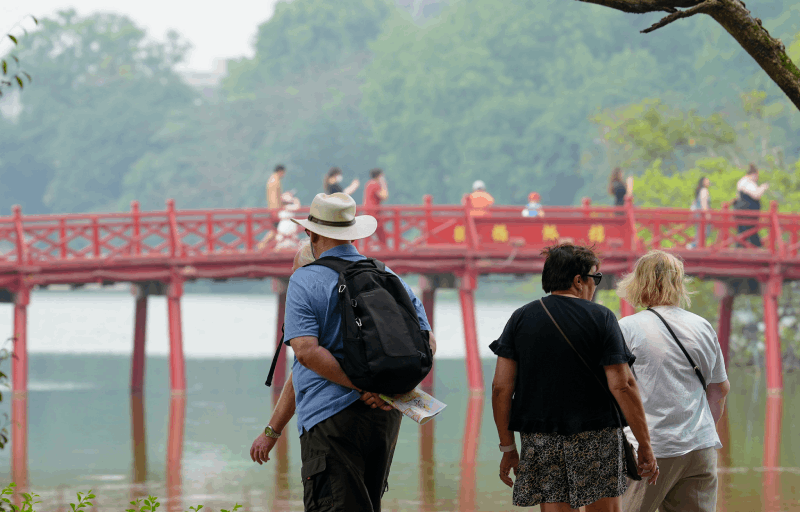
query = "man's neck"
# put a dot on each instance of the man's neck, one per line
(327, 244)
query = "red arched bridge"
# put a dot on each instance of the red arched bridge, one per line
(449, 246)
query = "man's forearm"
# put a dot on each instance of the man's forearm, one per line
(284, 409)
(631, 404)
(322, 362)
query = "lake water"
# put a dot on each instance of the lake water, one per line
(85, 431)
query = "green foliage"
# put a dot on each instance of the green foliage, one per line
(27, 499)
(305, 37)
(650, 130)
(18, 76)
(100, 94)
(149, 504)
(513, 95)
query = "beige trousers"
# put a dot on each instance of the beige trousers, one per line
(685, 484)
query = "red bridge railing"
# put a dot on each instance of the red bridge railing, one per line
(410, 231)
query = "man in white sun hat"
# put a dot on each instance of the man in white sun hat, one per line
(347, 435)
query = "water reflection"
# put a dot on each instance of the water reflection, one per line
(177, 420)
(19, 444)
(770, 479)
(138, 439)
(469, 455)
(281, 495)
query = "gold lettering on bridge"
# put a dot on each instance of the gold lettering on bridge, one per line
(597, 233)
(459, 234)
(500, 233)
(550, 232)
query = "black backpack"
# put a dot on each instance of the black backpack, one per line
(384, 350)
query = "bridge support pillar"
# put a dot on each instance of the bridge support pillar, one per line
(19, 386)
(177, 365)
(625, 308)
(726, 296)
(771, 291)
(139, 336)
(428, 286)
(279, 286)
(466, 292)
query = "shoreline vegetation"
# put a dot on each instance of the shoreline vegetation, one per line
(28, 500)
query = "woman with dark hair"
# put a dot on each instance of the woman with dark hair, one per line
(748, 197)
(619, 186)
(701, 203)
(332, 182)
(560, 360)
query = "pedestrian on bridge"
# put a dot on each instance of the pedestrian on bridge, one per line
(479, 199)
(376, 192)
(681, 374)
(620, 187)
(333, 182)
(567, 410)
(748, 197)
(347, 435)
(701, 205)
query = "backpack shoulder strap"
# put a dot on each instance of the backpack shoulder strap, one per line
(332, 262)
(691, 361)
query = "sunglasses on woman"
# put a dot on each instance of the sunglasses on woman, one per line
(597, 277)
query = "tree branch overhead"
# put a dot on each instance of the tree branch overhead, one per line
(733, 15)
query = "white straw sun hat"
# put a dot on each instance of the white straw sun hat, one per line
(334, 216)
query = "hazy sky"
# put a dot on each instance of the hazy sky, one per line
(216, 29)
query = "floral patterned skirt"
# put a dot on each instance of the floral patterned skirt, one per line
(578, 469)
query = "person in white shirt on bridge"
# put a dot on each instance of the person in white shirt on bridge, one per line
(748, 197)
(672, 371)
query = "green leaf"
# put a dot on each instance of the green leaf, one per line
(5, 67)
(20, 82)
(35, 20)
(12, 38)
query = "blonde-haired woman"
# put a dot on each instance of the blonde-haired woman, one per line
(683, 383)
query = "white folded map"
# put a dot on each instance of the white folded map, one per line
(417, 405)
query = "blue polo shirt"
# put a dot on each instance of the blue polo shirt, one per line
(312, 309)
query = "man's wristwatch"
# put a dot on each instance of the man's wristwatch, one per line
(270, 432)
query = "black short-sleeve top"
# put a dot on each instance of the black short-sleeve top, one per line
(554, 392)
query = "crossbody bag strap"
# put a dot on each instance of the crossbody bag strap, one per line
(599, 382)
(275, 358)
(691, 361)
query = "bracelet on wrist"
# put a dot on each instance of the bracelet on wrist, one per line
(510, 448)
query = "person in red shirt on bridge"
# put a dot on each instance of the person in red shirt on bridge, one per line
(375, 193)
(480, 200)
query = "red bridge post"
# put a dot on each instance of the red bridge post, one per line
(19, 386)
(427, 287)
(466, 292)
(279, 286)
(177, 365)
(771, 292)
(139, 337)
(726, 297)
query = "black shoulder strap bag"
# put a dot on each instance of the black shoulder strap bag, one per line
(631, 466)
(268, 383)
(691, 361)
